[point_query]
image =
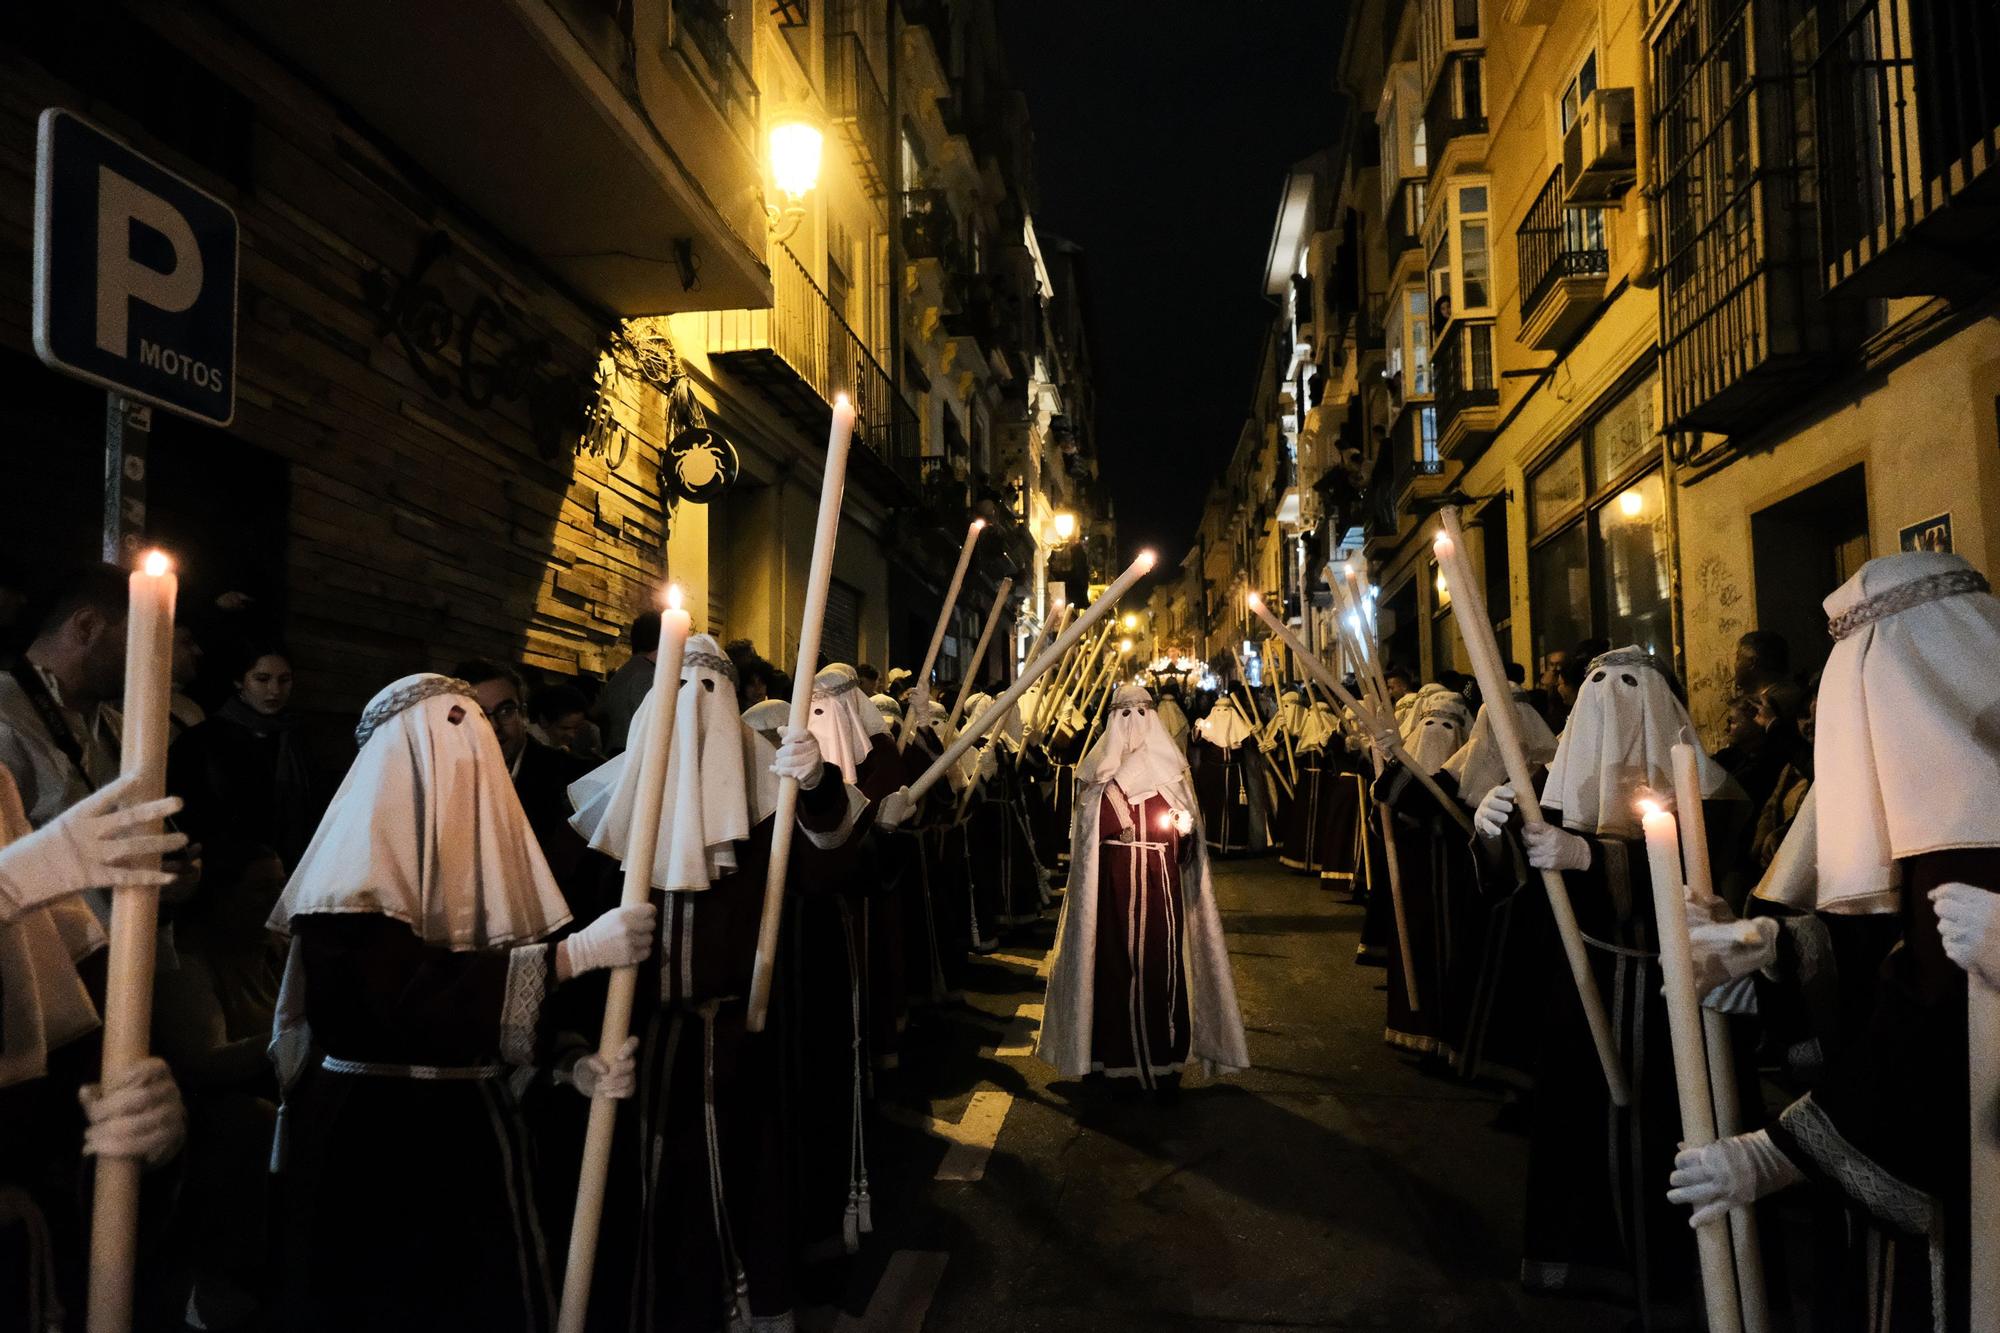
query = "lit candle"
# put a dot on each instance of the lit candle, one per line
(134, 932)
(833, 484)
(1718, 1275)
(648, 800)
(987, 720)
(1718, 1042)
(923, 690)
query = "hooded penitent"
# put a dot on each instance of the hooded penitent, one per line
(1438, 726)
(1320, 726)
(1225, 726)
(1174, 719)
(842, 720)
(1290, 717)
(1135, 749)
(1478, 767)
(1905, 751)
(768, 717)
(425, 830)
(719, 781)
(891, 712)
(1618, 741)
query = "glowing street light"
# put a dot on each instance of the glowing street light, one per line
(1065, 525)
(796, 144)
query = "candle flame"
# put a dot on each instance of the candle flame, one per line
(978, 525)
(1145, 560)
(155, 564)
(1441, 544)
(840, 401)
(1650, 807)
(1253, 601)
(673, 597)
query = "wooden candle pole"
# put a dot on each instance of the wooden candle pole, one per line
(1086, 660)
(972, 665)
(1983, 1050)
(135, 914)
(1718, 1274)
(1256, 716)
(1469, 608)
(813, 620)
(1059, 616)
(987, 720)
(1048, 703)
(1370, 720)
(640, 849)
(1720, 1046)
(923, 691)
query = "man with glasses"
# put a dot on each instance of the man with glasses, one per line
(542, 773)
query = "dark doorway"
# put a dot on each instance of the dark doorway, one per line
(1400, 626)
(1802, 548)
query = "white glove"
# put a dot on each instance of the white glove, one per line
(1725, 950)
(989, 763)
(1733, 997)
(622, 937)
(894, 810)
(616, 1078)
(137, 1114)
(1729, 1173)
(91, 845)
(1552, 848)
(1494, 809)
(798, 757)
(1385, 741)
(1966, 916)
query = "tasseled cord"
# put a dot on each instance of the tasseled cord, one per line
(859, 1219)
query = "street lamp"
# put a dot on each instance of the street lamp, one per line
(796, 141)
(1065, 525)
(1131, 621)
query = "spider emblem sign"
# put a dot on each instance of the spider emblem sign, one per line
(700, 465)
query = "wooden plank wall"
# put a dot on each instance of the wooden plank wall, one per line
(422, 529)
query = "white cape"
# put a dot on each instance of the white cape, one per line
(1216, 1025)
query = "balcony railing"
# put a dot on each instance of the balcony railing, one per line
(701, 36)
(858, 109)
(803, 353)
(1741, 327)
(930, 228)
(1463, 377)
(1405, 223)
(1557, 242)
(1908, 111)
(1458, 103)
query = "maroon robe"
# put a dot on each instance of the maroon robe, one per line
(1139, 1017)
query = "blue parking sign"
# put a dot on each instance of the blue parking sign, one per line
(135, 273)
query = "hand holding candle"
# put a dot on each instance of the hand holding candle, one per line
(648, 797)
(832, 486)
(128, 999)
(1468, 607)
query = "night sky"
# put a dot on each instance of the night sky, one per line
(1162, 136)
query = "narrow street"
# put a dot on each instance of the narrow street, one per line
(1337, 1185)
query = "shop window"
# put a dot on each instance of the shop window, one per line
(1597, 514)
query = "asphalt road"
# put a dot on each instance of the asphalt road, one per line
(1339, 1184)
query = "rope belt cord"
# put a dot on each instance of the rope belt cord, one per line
(333, 1064)
(1623, 951)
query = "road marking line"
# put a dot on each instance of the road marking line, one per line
(971, 1137)
(1027, 1019)
(903, 1297)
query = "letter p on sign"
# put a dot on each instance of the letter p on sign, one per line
(135, 273)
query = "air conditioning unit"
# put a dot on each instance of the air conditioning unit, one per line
(1598, 162)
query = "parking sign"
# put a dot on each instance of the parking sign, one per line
(135, 273)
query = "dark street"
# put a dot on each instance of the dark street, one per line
(1336, 1185)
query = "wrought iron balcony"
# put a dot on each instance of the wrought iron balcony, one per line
(859, 111)
(1742, 328)
(1907, 135)
(930, 229)
(1563, 264)
(1457, 106)
(701, 35)
(1465, 387)
(801, 353)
